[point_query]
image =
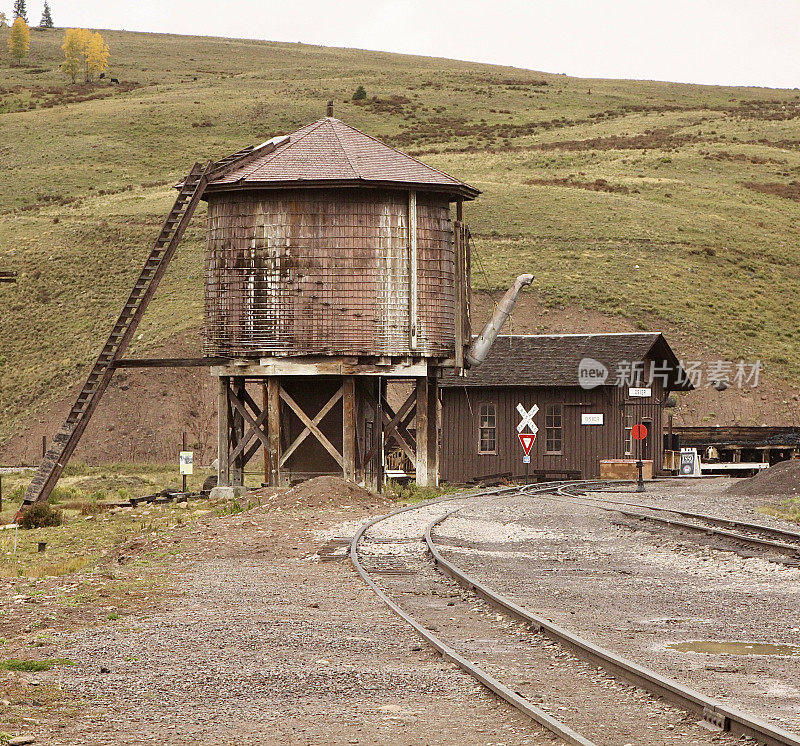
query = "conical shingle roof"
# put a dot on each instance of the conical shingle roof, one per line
(329, 152)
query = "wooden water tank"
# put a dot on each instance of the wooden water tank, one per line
(332, 243)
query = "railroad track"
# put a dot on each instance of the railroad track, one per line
(555, 677)
(774, 544)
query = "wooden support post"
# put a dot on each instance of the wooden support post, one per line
(266, 450)
(427, 432)
(349, 428)
(378, 433)
(223, 432)
(237, 467)
(274, 430)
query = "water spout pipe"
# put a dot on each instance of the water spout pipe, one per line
(483, 343)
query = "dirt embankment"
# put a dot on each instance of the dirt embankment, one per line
(781, 480)
(144, 412)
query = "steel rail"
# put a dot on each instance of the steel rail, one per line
(712, 711)
(720, 520)
(522, 704)
(781, 546)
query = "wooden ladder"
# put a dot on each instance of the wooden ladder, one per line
(162, 252)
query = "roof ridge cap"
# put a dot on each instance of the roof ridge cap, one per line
(353, 166)
(292, 141)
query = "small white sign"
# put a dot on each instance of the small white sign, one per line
(187, 462)
(526, 459)
(592, 419)
(640, 393)
(690, 463)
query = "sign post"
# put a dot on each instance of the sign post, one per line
(639, 432)
(186, 462)
(526, 441)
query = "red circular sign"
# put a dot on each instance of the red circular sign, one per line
(638, 432)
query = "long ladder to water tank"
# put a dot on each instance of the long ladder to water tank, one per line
(78, 418)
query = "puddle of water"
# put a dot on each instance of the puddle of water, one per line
(712, 647)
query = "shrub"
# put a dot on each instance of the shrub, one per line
(41, 515)
(360, 94)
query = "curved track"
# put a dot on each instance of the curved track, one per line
(413, 593)
(782, 546)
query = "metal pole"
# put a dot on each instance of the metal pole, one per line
(44, 446)
(527, 471)
(640, 467)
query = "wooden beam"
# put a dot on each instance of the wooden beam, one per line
(394, 425)
(237, 429)
(256, 428)
(427, 432)
(223, 432)
(317, 419)
(379, 436)
(170, 362)
(274, 430)
(306, 420)
(349, 427)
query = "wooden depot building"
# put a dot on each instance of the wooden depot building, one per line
(583, 394)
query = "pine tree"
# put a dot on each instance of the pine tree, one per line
(97, 54)
(19, 40)
(20, 11)
(360, 94)
(47, 16)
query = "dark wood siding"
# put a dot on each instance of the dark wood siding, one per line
(583, 445)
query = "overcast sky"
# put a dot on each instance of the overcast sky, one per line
(736, 42)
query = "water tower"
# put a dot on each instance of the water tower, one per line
(333, 269)
(337, 287)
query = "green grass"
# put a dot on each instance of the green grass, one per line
(788, 510)
(88, 184)
(15, 664)
(91, 529)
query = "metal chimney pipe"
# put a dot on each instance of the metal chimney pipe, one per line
(483, 343)
(330, 108)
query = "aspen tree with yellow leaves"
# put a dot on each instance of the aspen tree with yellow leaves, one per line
(85, 52)
(73, 46)
(19, 40)
(97, 54)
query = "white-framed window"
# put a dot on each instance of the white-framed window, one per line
(554, 428)
(487, 428)
(630, 421)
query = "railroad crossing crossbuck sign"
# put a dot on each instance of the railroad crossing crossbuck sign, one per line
(527, 418)
(527, 439)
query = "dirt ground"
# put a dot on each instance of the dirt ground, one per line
(237, 632)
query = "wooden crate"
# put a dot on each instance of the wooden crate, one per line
(624, 468)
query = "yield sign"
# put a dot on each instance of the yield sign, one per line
(526, 439)
(527, 418)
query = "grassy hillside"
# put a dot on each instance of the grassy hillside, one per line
(669, 202)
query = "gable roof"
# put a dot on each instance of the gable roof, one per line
(329, 152)
(553, 359)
